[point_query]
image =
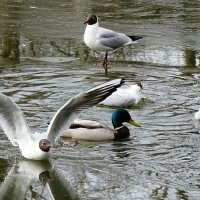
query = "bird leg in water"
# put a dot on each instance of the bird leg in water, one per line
(68, 141)
(105, 63)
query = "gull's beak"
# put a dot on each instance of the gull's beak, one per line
(134, 123)
(50, 146)
(86, 21)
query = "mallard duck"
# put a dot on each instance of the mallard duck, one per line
(104, 40)
(38, 146)
(124, 96)
(97, 131)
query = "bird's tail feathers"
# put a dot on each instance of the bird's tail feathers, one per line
(134, 38)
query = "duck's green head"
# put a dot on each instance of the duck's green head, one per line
(120, 116)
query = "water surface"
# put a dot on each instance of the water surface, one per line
(44, 62)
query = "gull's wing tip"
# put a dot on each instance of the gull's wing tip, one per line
(118, 81)
(134, 37)
(12, 121)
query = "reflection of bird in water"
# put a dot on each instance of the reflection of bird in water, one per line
(125, 96)
(197, 120)
(38, 146)
(197, 115)
(104, 40)
(97, 131)
(18, 182)
(34, 180)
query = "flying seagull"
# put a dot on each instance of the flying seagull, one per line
(38, 146)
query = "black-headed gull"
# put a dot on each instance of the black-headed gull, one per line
(104, 40)
(125, 96)
(38, 146)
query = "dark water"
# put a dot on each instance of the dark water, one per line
(44, 62)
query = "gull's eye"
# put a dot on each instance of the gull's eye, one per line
(44, 143)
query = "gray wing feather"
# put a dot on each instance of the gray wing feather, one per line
(68, 112)
(113, 39)
(114, 42)
(12, 121)
(106, 33)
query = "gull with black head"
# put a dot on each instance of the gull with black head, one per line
(38, 146)
(104, 40)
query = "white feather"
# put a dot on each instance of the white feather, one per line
(93, 131)
(124, 96)
(98, 134)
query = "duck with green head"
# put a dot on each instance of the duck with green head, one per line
(97, 131)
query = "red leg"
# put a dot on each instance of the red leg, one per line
(69, 141)
(105, 63)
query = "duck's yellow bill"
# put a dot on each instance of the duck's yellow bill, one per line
(134, 123)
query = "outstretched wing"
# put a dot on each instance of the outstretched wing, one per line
(13, 122)
(68, 112)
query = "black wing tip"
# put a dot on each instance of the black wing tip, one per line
(122, 81)
(112, 87)
(140, 85)
(134, 38)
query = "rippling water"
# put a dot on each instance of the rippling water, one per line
(44, 62)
